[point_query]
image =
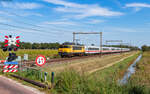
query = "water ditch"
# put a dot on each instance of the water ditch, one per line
(130, 71)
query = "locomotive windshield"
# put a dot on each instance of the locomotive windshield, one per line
(63, 46)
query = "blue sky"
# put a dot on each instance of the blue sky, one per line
(55, 20)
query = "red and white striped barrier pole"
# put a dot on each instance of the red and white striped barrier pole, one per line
(12, 70)
(10, 66)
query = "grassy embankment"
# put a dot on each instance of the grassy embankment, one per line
(32, 53)
(104, 81)
(140, 81)
(74, 80)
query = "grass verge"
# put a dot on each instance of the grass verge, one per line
(101, 82)
(139, 83)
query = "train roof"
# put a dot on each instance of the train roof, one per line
(71, 43)
(99, 47)
(105, 47)
(92, 46)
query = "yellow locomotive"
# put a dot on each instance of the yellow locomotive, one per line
(71, 49)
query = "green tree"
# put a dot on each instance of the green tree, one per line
(145, 48)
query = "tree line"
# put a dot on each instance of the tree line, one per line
(28, 45)
(145, 48)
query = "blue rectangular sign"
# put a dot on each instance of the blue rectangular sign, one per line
(7, 63)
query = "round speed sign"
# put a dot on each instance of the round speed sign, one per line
(40, 60)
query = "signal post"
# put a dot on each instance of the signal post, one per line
(11, 44)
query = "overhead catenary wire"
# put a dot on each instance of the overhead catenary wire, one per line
(17, 21)
(21, 27)
(12, 13)
(25, 30)
(34, 26)
(58, 32)
(14, 34)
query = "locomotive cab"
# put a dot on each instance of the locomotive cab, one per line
(64, 50)
(67, 50)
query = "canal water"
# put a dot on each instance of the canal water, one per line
(130, 71)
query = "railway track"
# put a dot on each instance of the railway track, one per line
(60, 60)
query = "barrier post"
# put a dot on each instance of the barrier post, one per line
(52, 78)
(45, 76)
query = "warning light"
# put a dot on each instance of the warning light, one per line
(11, 43)
(6, 36)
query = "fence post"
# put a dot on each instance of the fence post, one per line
(41, 76)
(52, 79)
(45, 76)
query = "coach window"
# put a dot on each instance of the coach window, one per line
(97, 49)
(105, 49)
(77, 48)
(89, 48)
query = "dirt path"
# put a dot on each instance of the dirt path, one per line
(9, 86)
(108, 65)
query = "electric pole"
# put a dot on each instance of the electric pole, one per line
(101, 44)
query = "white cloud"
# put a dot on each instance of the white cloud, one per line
(60, 23)
(137, 6)
(20, 13)
(83, 10)
(5, 13)
(64, 22)
(64, 3)
(4, 20)
(27, 13)
(95, 21)
(18, 5)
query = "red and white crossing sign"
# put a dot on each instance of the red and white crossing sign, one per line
(40, 60)
(12, 41)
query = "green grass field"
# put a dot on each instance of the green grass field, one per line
(32, 53)
(140, 81)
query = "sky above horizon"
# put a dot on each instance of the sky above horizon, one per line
(55, 20)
